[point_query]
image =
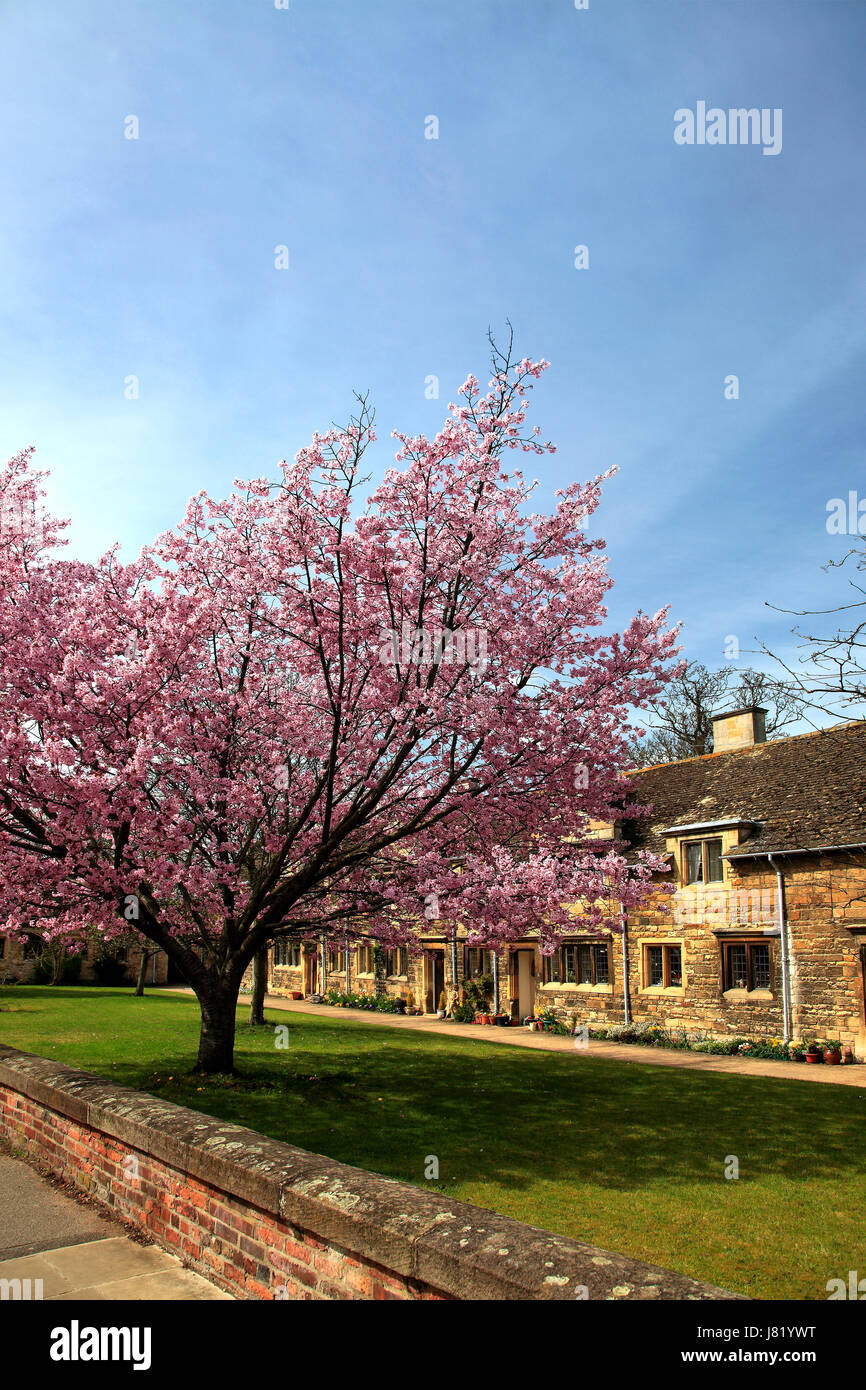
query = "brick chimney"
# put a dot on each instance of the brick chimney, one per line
(739, 728)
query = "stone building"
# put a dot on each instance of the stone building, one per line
(19, 962)
(763, 936)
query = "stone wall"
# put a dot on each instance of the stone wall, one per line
(17, 965)
(265, 1220)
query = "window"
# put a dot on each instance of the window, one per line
(663, 967)
(287, 952)
(584, 963)
(2, 947)
(477, 962)
(365, 960)
(703, 862)
(746, 965)
(592, 964)
(550, 969)
(336, 961)
(396, 961)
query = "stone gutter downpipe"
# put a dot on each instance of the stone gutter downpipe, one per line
(783, 945)
(624, 921)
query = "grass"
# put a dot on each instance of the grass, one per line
(625, 1156)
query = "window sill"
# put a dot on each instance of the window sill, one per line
(737, 996)
(676, 990)
(577, 989)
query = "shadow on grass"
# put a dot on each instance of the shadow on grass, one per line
(384, 1098)
(517, 1117)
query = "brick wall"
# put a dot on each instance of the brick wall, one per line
(265, 1220)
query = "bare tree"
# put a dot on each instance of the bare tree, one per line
(829, 674)
(682, 724)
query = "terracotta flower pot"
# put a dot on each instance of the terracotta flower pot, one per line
(831, 1057)
(813, 1057)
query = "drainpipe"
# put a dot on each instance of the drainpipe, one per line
(324, 963)
(454, 960)
(625, 1009)
(347, 960)
(496, 982)
(783, 947)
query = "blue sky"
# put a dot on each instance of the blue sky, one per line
(262, 127)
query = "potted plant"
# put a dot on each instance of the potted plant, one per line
(848, 1055)
(440, 1012)
(813, 1053)
(832, 1053)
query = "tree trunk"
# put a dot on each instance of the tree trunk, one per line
(260, 984)
(216, 1048)
(142, 971)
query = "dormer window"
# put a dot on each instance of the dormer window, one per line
(703, 862)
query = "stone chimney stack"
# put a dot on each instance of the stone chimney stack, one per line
(739, 728)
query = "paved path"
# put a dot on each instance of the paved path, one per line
(77, 1253)
(615, 1052)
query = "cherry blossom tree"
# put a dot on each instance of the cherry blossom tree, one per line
(300, 711)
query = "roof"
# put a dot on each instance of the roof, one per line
(805, 792)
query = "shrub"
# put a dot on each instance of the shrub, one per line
(50, 971)
(108, 970)
(477, 992)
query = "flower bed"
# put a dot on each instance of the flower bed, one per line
(375, 1003)
(653, 1035)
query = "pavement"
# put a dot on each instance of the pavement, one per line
(598, 1048)
(77, 1252)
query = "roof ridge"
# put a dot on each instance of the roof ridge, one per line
(845, 724)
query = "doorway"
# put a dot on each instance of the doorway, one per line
(434, 979)
(311, 971)
(525, 983)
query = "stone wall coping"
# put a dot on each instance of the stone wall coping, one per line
(460, 1250)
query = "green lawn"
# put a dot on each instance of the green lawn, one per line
(624, 1155)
